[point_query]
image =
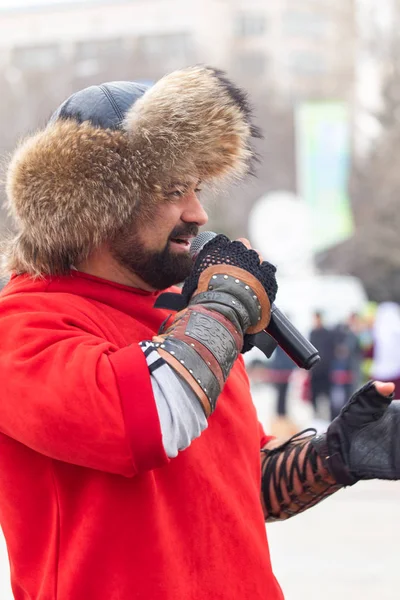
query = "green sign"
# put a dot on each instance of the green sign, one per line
(323, 147)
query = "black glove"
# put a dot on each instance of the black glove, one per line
(221, 251)
(363, 442)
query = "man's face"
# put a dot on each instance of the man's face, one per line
(318, 321)
(158, 250)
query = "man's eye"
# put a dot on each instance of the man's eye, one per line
(176, 194)
(198, 190)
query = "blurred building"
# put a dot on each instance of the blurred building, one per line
(295, 48)
(282, 52)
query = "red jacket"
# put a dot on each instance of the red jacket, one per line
(90, 505)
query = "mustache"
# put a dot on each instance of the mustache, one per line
(185, 230)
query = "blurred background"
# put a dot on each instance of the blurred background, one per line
(324, 79)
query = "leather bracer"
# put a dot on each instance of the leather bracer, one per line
(206, 338)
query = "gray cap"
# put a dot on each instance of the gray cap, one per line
(102, 105)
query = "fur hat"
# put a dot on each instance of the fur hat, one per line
(108, 154)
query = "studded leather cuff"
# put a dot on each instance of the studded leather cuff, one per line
(247, 294)
(201, 345)
(206, 338)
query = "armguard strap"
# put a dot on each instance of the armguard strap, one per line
(201, 346)
(293, 478)
(206, 338)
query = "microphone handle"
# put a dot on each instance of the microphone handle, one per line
(296, 346)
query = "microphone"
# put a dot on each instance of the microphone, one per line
(285, 334)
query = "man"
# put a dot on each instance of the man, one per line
(346, 363)
(320, 376)
(105, 492)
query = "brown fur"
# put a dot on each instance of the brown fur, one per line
(72, 186)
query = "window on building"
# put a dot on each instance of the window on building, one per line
(99, 49)
(304, 23)
(249, 24)
(176, 46)
(251, 64)
(307, 63)
(92, 55)
(42, 58)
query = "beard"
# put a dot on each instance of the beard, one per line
(158, 268)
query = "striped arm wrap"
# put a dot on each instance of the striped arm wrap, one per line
(206, 338)
(201, 346)
(293, 478)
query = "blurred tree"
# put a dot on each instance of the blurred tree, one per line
(373, 254)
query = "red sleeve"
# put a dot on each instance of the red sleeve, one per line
(264, 438)
(71, 395)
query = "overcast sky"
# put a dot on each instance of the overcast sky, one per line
(19, 3)
(25, 3)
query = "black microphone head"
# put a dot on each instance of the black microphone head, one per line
(200, 241)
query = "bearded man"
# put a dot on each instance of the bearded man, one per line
(132, 464)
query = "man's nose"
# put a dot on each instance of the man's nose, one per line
(194, 211)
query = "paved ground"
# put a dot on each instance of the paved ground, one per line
(346, 548)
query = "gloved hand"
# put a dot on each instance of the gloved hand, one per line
(228, 294)
(363, 442)
(221, 251)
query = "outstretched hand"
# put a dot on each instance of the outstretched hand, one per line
(363, 442)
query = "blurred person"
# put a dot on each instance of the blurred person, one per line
(257, 368)
(386, 343)
(366, 338)
(356, 329)
(132, 464)
(320, 376)
(280, 369)
(346, 363)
